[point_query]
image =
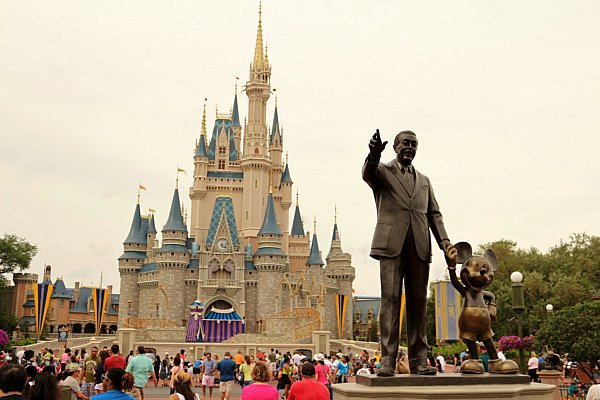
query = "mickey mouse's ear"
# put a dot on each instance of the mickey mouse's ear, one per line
(491, 257)
(464, 252)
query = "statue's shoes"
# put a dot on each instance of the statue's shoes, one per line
(385, 371)
(503, 367)
(472, 366)
(423, 370)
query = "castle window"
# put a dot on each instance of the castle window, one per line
(221, 164)
(222, 150)
(61, 303)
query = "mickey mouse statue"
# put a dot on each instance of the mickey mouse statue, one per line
(479, 307)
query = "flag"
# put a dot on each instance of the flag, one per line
(340, 312)
(100, 298)
(41, 301)
(152, 210)
(448, 305)
(142, 187)
(181, 170)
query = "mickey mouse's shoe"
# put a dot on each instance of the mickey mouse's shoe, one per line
(472, 366)
(503, 367)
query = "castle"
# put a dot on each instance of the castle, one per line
(238, 255)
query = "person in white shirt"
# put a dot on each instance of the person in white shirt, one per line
(363, 371)
(593, 393)
(442, 361)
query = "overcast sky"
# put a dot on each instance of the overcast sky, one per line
(96, 96)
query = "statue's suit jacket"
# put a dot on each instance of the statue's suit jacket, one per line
(398, 209)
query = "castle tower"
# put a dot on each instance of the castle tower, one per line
(299, 242)
(151, 242)
(23, 286)
(314, 273)
(255, 161)
(130, 263)
(235, 122)
(198, 190)
(339, 268)
(166, 295)
(269, 261)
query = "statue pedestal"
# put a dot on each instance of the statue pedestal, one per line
(444, 386)
(551, 377)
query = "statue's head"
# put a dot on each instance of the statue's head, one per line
(405, 146)
(477, 272)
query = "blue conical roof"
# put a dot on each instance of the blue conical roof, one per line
(201, 148)
(297, 227)
(275, 127)
(336, 233)
(175, 221)
(285, 175)
(151, 226)
(315, 253)
(269, 226)
(235, 115)
(135, 232)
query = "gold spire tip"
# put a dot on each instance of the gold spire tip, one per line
(315, 226)
(335, 214)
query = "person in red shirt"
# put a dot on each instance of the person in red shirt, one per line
(115, 360)
(308, 388)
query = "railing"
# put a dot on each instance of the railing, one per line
(299, 312)
(306, 330)
(72, 343)
(142, 323)
(220, 283)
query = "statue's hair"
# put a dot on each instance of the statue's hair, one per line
(397, 138)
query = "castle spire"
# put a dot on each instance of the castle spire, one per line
(136, 235)
(235, 114)
(201, 146)
(175, 221)
(297, 227)
(269, 226)
(259, 58)
(315, 254)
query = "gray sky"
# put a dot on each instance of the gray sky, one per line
(96, 96)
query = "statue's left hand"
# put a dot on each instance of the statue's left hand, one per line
(451, 254)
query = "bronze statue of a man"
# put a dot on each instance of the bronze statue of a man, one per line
(406, 211)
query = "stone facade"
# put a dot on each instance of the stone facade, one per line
(238, 251)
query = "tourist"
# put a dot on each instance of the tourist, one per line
(196, 369)
(245, 370)
(89, 365)
(12, 381)
(593, 392)
(322, 371)
(43, 387)
(441, 362)
(308, 388)
(115, 360)
(65, 358)
(115, 382)
(456, 362)
(100, 370)
(164, 372)
(342, 370)
(182, 383)
(72, 376)
(238, 358)
(227, 369)
(208, 368)
(260, 389)
(177, 368)
(532, 367)
(140, 366)
(285, 378)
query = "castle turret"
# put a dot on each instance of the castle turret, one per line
(269, 261)
(130, 263)
(339, 268)
(299, 242)
(151, 242)
(235, 122)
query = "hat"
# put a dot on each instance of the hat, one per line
(319, 357)
(72, 367)
(166, 353)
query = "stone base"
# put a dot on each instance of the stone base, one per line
(448, 379)
(519, 391)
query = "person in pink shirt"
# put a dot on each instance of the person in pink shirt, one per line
(260, 389)
(322, 371)
(308, 388)
(65, 359)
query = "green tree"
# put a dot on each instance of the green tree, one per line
(15, 254)
(574, 330)
(374, 332)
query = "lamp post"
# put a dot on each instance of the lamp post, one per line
(518, 306)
